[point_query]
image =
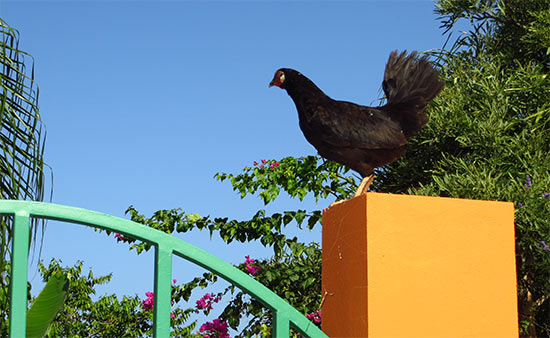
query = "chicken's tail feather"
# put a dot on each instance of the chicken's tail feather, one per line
(410, 83)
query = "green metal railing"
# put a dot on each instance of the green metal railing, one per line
(284, 315)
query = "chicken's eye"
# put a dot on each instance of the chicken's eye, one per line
(281, 77)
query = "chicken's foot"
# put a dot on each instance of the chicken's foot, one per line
(364, 186)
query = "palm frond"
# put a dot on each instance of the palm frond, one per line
(22, 134)
(22, 137)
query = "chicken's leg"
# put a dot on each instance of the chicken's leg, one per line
(364, 186)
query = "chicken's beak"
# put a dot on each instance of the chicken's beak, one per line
(272, 83)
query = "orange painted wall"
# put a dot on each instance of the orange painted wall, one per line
(416, 266)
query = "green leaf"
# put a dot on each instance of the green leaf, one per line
(47, 304)
(300, 215)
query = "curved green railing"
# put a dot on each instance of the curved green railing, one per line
(284, 315)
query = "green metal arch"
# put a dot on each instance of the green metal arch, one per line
(165, 245)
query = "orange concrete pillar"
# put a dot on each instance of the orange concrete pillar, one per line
(416, 266)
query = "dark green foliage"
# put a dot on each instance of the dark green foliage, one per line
(267, 229)
(84, 315)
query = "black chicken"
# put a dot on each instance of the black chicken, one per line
(361, 137)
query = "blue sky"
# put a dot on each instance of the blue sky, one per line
(144, 101)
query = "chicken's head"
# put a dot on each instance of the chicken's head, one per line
(278, 79)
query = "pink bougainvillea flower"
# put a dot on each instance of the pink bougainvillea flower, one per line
(255, 163)
(148, 303)
(271, 165)
(216, 328)
(174, 281)
(252, 269)
(315, 317)
(206, 301)
(264, 161)
(201, 304)
(121, 238)
(276, 164)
